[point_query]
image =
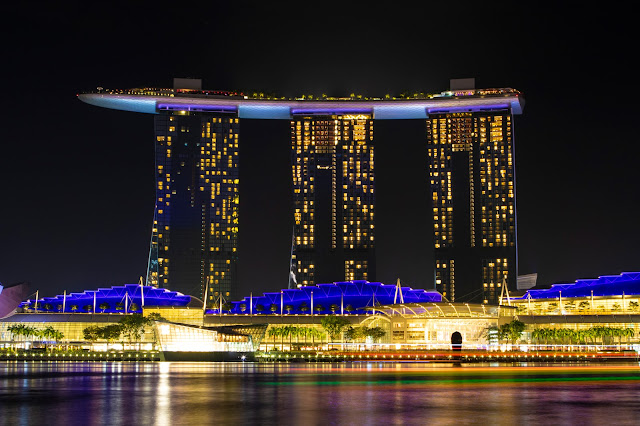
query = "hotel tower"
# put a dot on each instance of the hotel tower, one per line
(334, 198)
(472, 182)
(195, 229)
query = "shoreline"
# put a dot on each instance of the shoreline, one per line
(319, 357)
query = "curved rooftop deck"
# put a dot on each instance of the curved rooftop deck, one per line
(154, 101)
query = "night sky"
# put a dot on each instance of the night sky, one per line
(77, 181)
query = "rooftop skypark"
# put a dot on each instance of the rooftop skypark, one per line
(264, 106)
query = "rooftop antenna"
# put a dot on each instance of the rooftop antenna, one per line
(505, 291)
(141, 292)
(398, 291)
(293, 282)
(204, 305)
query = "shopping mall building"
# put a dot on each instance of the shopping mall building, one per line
(410, 318)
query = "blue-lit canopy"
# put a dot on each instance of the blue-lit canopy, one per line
(352, 296)
(109, 300)
(627, 283)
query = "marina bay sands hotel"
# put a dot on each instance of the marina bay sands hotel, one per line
(471, 176)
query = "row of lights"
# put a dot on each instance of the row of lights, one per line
(432, 356)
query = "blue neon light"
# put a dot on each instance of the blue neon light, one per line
(197, 107)
(330, 111)
(129, 103)
(627, 283)
(114, 297)
(469, 108)
(358, 294)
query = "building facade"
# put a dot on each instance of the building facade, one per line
(334, 198)
(472, 182)
(194, 242)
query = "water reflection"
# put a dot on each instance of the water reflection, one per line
(357, 393)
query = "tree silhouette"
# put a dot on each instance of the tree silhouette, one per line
(334, 325)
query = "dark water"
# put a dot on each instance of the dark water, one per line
(313, 394)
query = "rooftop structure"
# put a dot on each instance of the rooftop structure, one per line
(353, 297)
(417, 106)
(128, 298)
(627, 283)
(473, 193)
(11, 295)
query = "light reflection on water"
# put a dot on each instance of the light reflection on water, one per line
(347, 393)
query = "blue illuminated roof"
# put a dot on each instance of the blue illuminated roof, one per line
(357, 294)
(283, 109)
(117, 298)
(606, 285)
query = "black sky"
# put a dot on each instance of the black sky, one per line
(76, 181)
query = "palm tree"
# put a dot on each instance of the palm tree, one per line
(315, 333)
(16, 330)
(28, 331)
(590, 333)
(274, 332)
(633, 306)
(298, 331)
(51, 333)
(287, 332)
(629, 333)
(537, 335)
